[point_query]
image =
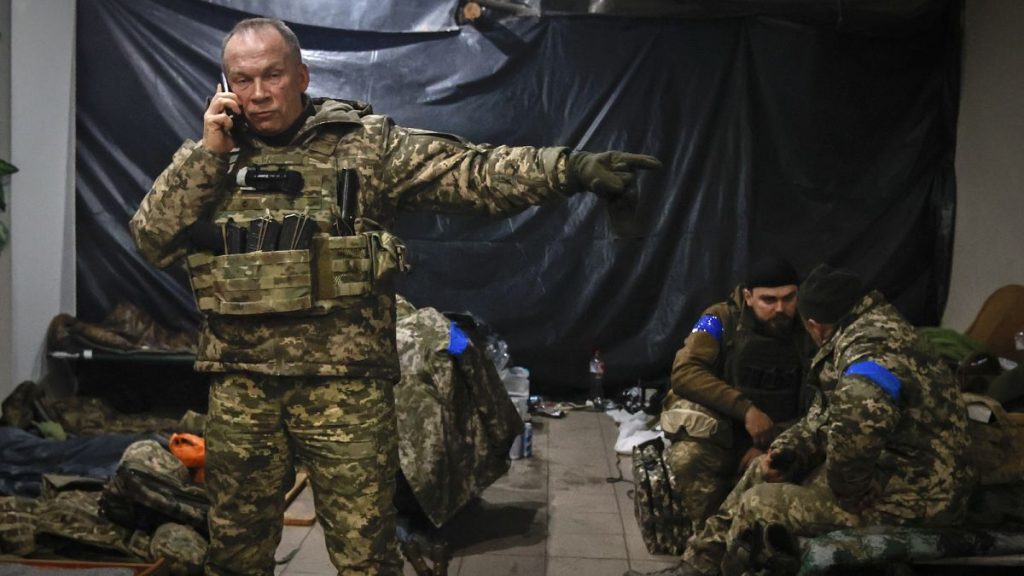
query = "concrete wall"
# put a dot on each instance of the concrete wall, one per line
(988, 249)
(41, 209)
(5, 153)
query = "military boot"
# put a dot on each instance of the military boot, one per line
(681, 569)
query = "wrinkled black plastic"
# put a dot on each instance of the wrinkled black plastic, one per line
(805, 138)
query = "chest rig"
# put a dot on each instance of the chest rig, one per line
(307, 250)
(767, 370)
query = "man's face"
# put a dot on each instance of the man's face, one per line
(774, 307)
(820, 333)
(268, 81)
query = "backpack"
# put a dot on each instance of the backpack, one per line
(152, 487)
(663, 529)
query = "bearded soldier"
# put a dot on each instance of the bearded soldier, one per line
(298, 316)
(735, 385)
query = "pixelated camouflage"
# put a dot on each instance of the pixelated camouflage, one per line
(455, 419)
(17, 525)
(151, 485)
(398, 168)
(75, 516)
(866, 457)
(341, 430)
(182, 548)
(915, 450)
(664, 524)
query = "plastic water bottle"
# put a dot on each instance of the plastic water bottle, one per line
(596, 392)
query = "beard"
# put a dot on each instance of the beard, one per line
(779, 326)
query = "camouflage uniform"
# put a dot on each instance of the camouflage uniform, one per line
(884, 443)
(316, 388)
(707, 397)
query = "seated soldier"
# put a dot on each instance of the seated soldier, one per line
(883, 444)
(735, 385)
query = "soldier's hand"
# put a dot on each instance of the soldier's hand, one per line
(759, 426)
(217, 124)
(777, 465)
(610, 175)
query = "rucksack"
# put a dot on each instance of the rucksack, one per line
(152, 487)
(663, 528)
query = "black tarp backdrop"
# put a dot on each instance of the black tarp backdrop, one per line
(824, 141)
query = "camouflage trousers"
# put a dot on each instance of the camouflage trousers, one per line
(807, 509)
(343, 431)
(704, 472)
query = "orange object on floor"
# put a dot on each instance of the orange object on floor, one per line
(191, 450)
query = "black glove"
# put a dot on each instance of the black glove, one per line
(609, 175)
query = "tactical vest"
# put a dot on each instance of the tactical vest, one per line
(335, 272)
(768, 371)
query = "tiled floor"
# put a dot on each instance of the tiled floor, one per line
(556, 513)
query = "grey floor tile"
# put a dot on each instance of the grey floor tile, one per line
(652, 565)
(571, 521)
(502, 565)
(587, 546)
(586, 566)
(584, 499)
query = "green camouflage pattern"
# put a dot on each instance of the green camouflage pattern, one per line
(75, 516)
(865, 458)
(456, 421)
(399, 169)
(182, 548)
(17, 525)
(880, 545)
(914, 451)
(664, 526)
(342, 430)
(150, 478)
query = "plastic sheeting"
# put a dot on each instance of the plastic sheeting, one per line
(810, 140)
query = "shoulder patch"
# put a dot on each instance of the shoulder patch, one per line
(710, 324)
(457, 340)
(878, 374)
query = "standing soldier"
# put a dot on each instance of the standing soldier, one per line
(735, 385)
(298, 320)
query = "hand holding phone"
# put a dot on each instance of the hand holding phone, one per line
(238, 124)
(222, 125)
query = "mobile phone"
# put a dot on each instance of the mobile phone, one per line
(238, 123)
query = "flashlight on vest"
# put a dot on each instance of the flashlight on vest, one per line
(261, 180)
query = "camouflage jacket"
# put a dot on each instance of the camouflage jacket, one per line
(699, 368)
(398, 169)
(889, 424)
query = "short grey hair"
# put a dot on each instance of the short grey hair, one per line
(253, 24)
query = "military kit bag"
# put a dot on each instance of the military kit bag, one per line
(997, 440)
(662, 528)
(151, 487)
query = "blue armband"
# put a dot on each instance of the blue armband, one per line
(457, 340)
(878, 374)
(710, 324)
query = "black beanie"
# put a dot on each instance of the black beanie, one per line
(771, 272)
(827, 294)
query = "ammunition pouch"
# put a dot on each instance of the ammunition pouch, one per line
(336, 272)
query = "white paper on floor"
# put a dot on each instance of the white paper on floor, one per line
(634, 429)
